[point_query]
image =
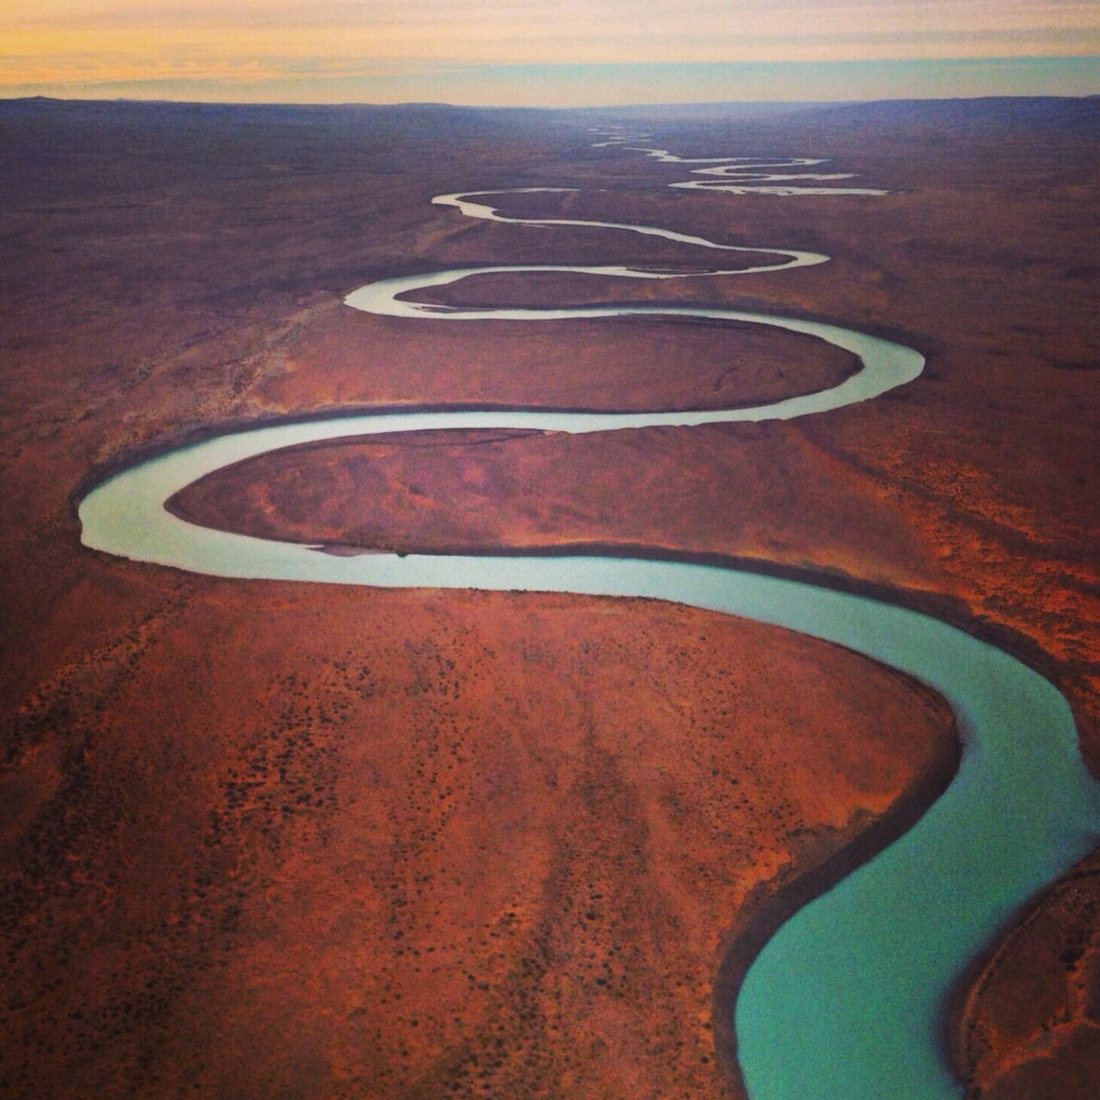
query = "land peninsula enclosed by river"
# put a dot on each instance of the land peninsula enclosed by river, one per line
(273, 838)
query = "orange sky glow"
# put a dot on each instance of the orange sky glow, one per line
(383, 51)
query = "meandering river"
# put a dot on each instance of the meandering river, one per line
(846, 1000)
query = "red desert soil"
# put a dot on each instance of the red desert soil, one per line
(1029, 1027)
(614, 363)
(463, 844)
(222, 803)
(964, 501)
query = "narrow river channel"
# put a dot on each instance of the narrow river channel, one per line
(846, 1000)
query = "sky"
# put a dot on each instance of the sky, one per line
(570, 53)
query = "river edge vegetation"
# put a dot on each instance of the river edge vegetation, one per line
(177, 267)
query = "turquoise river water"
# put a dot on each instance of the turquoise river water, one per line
(846, 1000)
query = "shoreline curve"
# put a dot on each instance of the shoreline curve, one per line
(120, 516)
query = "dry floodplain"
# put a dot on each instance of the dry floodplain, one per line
(268, 839)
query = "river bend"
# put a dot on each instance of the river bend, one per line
(849, 994)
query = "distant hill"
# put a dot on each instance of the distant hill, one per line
(998, 112)
(152, 114)
(57, 150)
(1001, 112)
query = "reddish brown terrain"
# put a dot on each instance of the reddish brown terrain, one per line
(464, 845)
(1027, 1027)
(265, 839)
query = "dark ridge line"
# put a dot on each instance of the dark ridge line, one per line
(767, 914)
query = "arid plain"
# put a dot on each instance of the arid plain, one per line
(270, 839)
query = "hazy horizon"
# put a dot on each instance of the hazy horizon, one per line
(749, 106)
(584, 53)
